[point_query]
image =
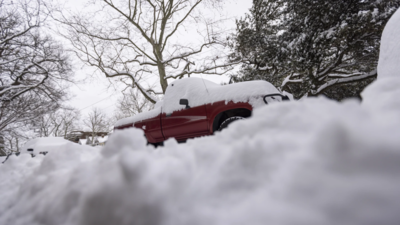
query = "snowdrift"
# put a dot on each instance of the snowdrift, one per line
(310, 162)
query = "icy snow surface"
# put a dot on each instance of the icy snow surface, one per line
(311, 162)
(200, 91)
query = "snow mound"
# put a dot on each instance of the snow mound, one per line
(384, 93)
(305, 159)
(389, 56)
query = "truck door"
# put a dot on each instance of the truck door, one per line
(185, 123)
(184, 112)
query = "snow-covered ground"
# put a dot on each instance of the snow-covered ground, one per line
(309, 162)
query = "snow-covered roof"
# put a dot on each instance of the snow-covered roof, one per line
(200, 92)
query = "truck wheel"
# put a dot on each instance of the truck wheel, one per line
(229, 121)
(155, 145)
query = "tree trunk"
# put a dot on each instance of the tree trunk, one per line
(161, 66)
(163, 81)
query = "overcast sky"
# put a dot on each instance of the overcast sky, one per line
(94, 91)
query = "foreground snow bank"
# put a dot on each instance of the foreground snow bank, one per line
(310, 162)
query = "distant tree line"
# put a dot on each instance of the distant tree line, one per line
(309, 47)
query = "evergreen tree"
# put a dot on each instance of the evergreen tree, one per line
(310, 47)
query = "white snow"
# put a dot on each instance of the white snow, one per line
(389, 56)
(200, 92)
(314, 162)
(102, 139)
(308, 159)
(44, 144)
(83, 141)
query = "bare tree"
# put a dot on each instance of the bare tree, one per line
(59, 123)
(2, 147)
(34, 69)
(135, 39)
(97, 122)
(17, 117)
(22, 111)
(44, 126)
(29, 61)
(69, 122)
(132, 103)
(12, 142)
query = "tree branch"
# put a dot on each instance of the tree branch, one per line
(344, 80)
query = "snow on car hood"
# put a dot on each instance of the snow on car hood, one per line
(200, 92)
(44, 144)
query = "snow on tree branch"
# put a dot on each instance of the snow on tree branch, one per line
(343, 80)
(331, 44)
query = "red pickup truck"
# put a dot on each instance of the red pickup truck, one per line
(193, 107)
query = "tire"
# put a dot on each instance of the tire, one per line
(228, 121)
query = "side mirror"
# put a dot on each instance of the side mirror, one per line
(275, 97)
(184, 102)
